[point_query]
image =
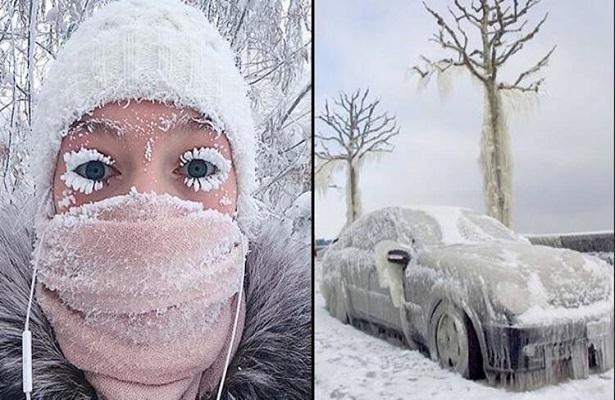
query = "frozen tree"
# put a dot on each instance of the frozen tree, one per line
(270, 38)
(356, 132)
(31, 32)
(482, 37)
(272, 41)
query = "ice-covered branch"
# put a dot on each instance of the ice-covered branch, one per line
(495, 23)
(356, 129)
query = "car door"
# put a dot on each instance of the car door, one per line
(357, 284)
(381, 308)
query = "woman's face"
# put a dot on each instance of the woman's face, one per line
(147, 145)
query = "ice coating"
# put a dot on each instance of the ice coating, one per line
(543, 278)
(364, 367)
(472, 250)
(389, 276)
(559, 300)
(428, 225)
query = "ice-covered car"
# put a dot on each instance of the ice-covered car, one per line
(473, 295)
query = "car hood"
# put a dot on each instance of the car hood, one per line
(523, 276)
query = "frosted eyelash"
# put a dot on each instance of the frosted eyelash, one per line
(213, 156)
(76, 158)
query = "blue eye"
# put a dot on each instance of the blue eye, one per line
(203, 168)
(199, 168)
(94, 170)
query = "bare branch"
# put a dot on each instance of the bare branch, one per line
(495, 20)
(356, 128)
(533, 86)
(455, 40)
(517, 45)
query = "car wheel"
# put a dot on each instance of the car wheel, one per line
(453, 341)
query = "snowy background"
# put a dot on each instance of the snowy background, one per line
(350, 364)
(562, 149)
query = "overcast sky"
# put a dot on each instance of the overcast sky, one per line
(562, 149)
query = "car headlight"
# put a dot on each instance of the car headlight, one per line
(512, 297)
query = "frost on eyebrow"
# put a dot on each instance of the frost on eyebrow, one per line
(187, 122)
(90, 125)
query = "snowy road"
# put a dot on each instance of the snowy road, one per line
(349, 364)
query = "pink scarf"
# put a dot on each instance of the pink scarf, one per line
(141, 291)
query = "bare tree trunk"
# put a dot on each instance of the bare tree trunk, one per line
(351, 187)
(353, 193)
(495, 159)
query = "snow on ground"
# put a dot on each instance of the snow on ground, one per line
(350, 364)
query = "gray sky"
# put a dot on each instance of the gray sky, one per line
(562, 148)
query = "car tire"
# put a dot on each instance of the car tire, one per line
(453, 341)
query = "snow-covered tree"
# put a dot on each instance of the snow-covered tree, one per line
(483, 35)
(271, 39)
(356, 133)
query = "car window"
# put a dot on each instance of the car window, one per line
(436, 225)
(421, 226)
(370, 229)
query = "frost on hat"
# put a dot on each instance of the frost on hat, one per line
(159, 50)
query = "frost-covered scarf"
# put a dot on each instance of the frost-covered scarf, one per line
(141, 291)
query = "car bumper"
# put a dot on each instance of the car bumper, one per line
(523, 358)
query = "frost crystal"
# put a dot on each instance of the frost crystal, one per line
(148, 149)
(210, 156)
(225, 201)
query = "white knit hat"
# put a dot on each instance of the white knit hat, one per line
(161, 50)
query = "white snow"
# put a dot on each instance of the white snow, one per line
(350, 364)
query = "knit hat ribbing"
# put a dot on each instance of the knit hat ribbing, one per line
(159, 50)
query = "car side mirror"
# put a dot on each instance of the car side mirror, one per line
(398, 256)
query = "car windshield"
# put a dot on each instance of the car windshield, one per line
(426, 225)
(436, 225)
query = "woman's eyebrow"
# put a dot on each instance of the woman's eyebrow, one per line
(190, 123)
(91, 125)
